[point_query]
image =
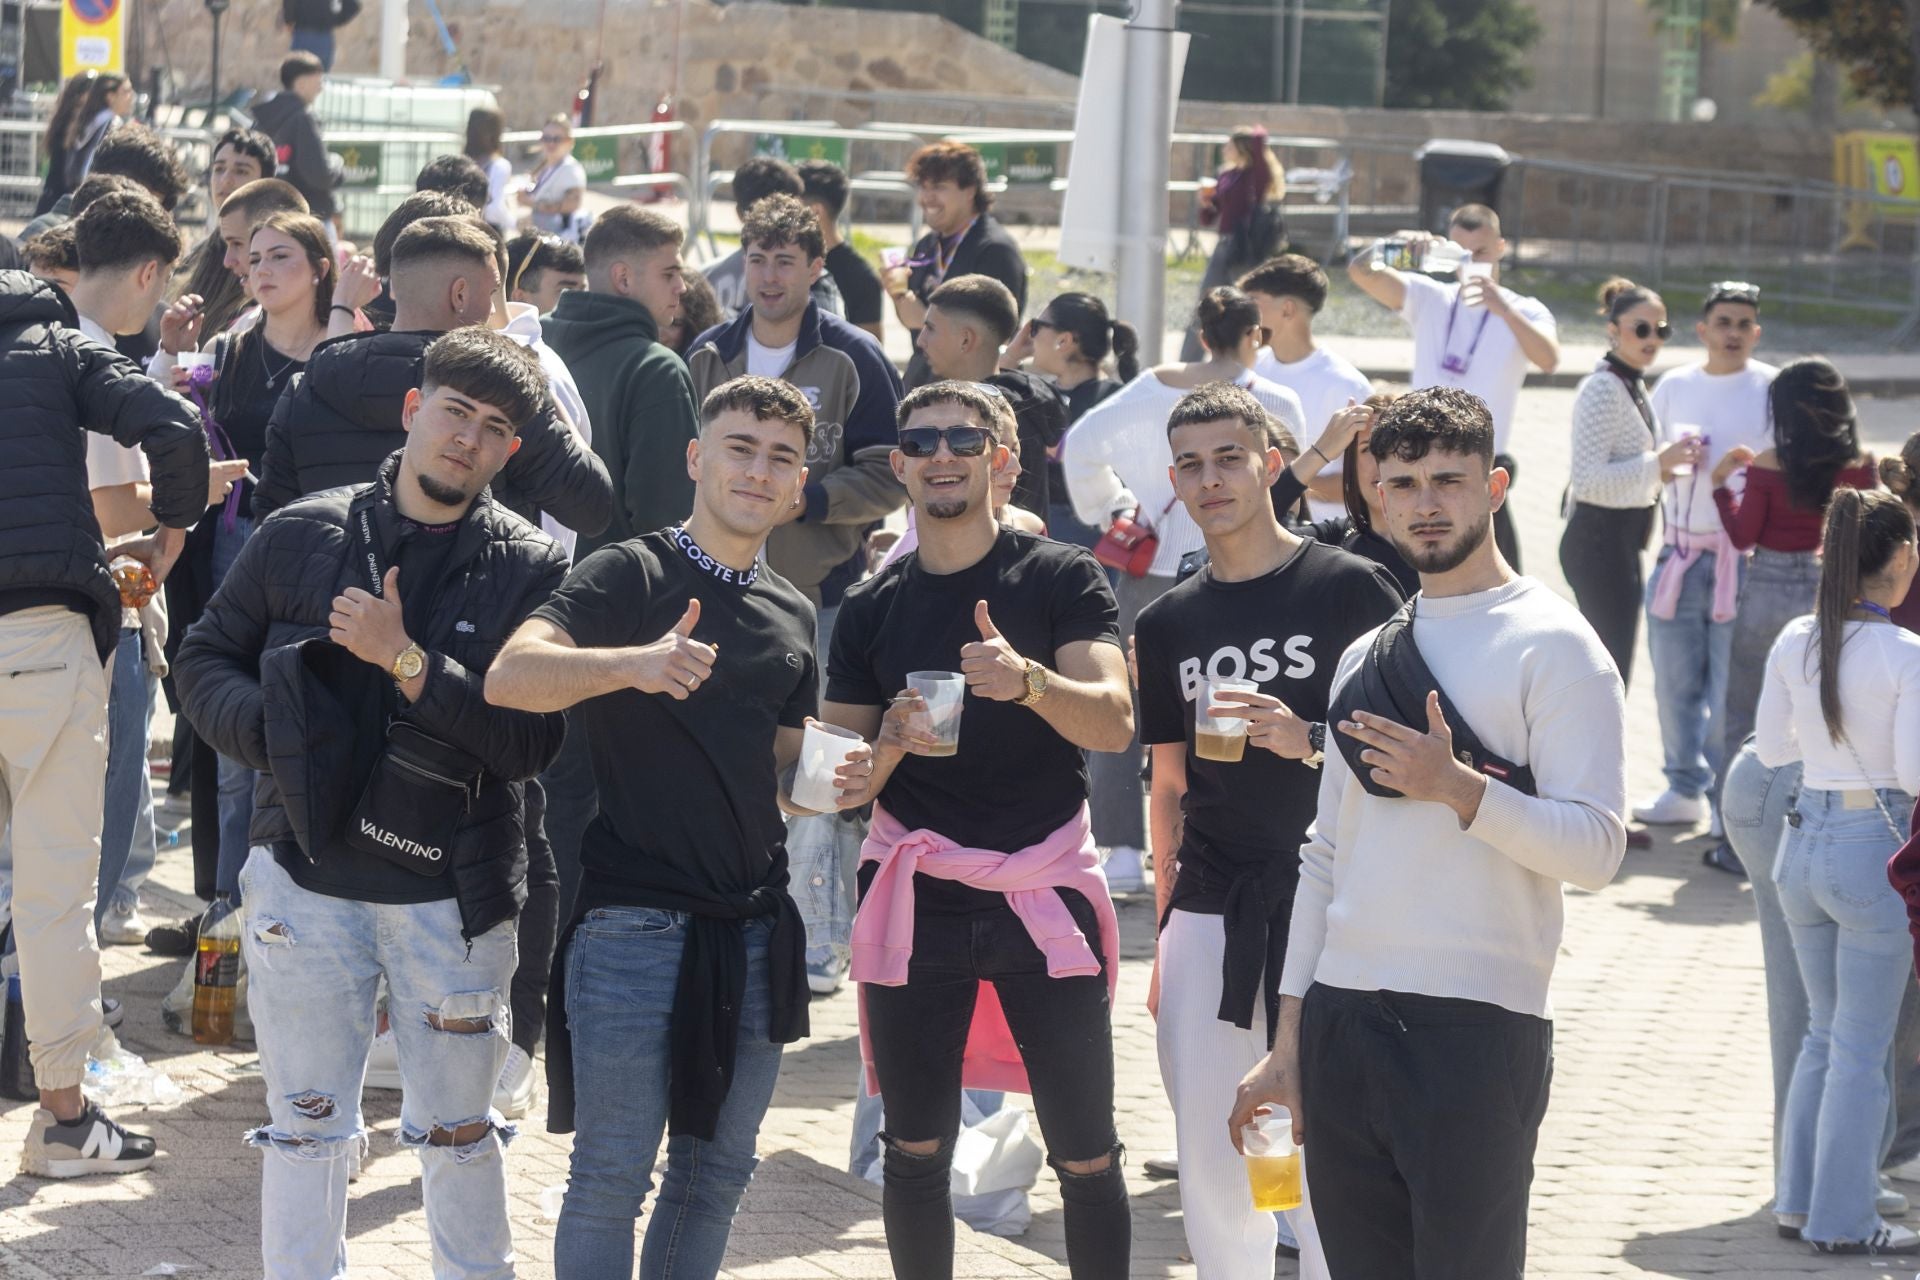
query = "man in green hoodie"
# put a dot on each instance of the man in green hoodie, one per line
(638, 394)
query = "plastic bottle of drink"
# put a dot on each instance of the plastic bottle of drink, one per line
(1442, 258)
(16, 1068)
(216, 974)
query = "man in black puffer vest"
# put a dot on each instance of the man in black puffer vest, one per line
(340, 418)
(343, 657)
(59, 619)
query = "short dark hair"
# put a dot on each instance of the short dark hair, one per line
(432, 239)
(419, 205)
(629, 229)
(134, 151)
(251, 142)
(1219, 401)
(1291, 275)
(125, 229)
(781, 220)
(1444, 418)
(96, 185)
(824, 183)
(53, 250)
(985, 299)
(297, 64)
(761, 176)
(767, 399)
(264, 196)
(1473, 215)
(954, 162)
(1224, 317)
(531, 253)
(965, 394)
(491, 367)
(455, 175)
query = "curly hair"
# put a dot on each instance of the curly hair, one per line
(767, 399)
(1444, 418)
(954, 162)
(777, 221)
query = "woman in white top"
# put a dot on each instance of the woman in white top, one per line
(1842, 696)
(1116, 461)
(484, 127)
(557, 188)
(1618, 467)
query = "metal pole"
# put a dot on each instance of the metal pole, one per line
(213, 91)
(393, 40)
(1293, 52)
(1141, 283)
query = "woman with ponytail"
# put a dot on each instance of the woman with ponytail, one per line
(1842, 697)
(1069, 342)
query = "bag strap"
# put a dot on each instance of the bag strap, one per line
(360, 526)
(1878, 803)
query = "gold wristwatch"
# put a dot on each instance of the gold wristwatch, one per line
(1036, 677)
(411, 662)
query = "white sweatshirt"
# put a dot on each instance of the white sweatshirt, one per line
(1879, 705)
(1394, 896)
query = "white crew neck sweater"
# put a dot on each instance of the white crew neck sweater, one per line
(1394, 896)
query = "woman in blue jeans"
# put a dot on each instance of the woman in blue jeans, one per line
(1842, 696)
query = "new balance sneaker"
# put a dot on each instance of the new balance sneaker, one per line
(123, 925)
(513, 1095)
(89, 1144)
(383, 1063)
(1888, 1239)
(112, 1012)
(825, 976)
(1671, 808)
(1125, 872)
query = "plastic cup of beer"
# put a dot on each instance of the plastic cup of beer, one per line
(1273, 1161)
(823, 749)
(945, 693)
(194, 360)
(1221, 738)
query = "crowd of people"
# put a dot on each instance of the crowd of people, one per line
(515, 579)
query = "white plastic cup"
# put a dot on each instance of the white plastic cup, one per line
(194, 360)
(1273, 1161)
(892, 256)
(1471, 270)
(1220, 738)
(1686, 431)
(823, 749)
(945, 693)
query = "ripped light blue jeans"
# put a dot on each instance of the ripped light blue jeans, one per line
(313, 963)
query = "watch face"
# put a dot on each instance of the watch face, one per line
(409, 664)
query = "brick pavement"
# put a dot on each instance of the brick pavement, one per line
(1654, 1158)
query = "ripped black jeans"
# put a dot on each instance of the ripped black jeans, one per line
(1064, 1030)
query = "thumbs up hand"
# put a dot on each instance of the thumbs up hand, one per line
(992, 668)
(676, 664)
(370, 627)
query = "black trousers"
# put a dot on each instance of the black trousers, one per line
(1421, 1117)
(1600, 554)
(538, 927)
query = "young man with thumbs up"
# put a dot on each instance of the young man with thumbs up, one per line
(689, 664)
(980, 866)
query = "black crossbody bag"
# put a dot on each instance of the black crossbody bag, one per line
(422, 789)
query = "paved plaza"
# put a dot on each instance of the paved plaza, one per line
(1655, 1158)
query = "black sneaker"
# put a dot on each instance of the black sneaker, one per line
(90, 1144)
(1888, 1239)
(1722, 858)
(112, 1012)
(175, 939)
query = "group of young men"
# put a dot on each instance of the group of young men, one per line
(461, 747)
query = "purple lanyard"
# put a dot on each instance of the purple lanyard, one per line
(1458, 365)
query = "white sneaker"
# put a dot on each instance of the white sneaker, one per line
(1908, 1172)
(513, 1096)
(1889, 1203)
(1671, 808)
(123, 926)
(383, 1064)
(1125, 873)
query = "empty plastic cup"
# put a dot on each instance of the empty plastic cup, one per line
(1273, 1161)
(823, 749)
(1220, 738)
(945, 693)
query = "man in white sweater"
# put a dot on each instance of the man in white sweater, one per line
(1415, 1044)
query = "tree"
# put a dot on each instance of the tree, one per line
(1877, 42)
(1459, 54)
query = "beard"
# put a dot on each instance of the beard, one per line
(947, 508)
(447, 495)
(1444, 558)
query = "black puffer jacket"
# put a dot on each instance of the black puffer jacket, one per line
(56, 385)
(336, 422)
(253, 670)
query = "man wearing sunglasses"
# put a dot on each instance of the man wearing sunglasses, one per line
(1721, 402)
(981, 850)
(1471, 334)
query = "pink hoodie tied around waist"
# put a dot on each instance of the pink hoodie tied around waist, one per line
(883, 927)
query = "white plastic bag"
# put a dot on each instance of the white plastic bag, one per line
(996, 1154)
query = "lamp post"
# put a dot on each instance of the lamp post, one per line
(1141, 288)
(218, 8)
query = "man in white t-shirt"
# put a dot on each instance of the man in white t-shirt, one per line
(1290, 290)
(1691, 596)
(1472, 334)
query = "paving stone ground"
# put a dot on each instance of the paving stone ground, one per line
(1654, 1159)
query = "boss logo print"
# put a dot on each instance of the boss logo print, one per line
(1256, 663)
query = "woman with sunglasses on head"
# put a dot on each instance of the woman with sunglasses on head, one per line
(557, 187)
(1617, 470)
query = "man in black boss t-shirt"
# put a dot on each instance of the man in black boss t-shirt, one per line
(690, 665)
(961, 836)
(1278, 610)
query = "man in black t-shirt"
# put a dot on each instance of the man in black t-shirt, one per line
(343, 657)
(825, 191)
(1277, 610)
(981, 851)
(681, 974)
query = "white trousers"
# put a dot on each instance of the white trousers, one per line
(1202, 1061)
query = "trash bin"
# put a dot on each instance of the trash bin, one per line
(1454, 172)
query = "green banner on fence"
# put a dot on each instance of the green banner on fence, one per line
(795, 147)
(600, 157)
(1021, 163)
(359, 163)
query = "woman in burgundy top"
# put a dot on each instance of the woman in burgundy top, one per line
(1816, 449)
(1251, 178)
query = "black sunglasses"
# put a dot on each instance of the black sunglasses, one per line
(962, 442)
(1642, 330)
(1733, 291)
